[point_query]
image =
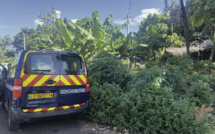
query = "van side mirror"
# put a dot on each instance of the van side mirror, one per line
(1, 70)
(8, 66)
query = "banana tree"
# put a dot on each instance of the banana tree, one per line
(159, 55)
(78, 41)
(55, 43)
(98, 37)
(155, 37)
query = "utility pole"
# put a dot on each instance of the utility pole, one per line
(129, 12)
(128, 24)
(24, 41)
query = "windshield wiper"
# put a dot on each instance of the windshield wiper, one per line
(48, 70)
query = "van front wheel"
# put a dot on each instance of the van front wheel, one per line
(12, 125)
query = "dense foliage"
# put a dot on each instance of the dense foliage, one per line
(106, 68)
(200, 93)
(156, 100)
(159, 97)
(6, 54)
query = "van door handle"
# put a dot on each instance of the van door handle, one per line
(50, 82)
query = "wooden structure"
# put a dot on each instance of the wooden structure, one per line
(198, 51)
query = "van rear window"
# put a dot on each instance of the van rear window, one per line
(54, 64)
(71, 65)
(41, 63)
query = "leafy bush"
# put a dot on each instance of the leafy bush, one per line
(149, 106)
(204, 67)
(153, 109)
(199, 90)
(190, 66)
(174, 61)
(174, 40)
(185, 64)
(200, 93)
(201, 66)
(198, 77)
(150, 65)
(170, 77)
(106, 68)
(152, 101)
(104, 102)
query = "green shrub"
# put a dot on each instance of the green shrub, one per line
(199, 90)
(104, 102)
(170, 77)
(185, 64)
(145, 108)
(150, 65)
(174, 61)
(106, 68)
(189, 66)
(151, 107)
(174, 40)
(204, 67)
(200, 93)
(151, 103)
(201, 66)
(198, 77)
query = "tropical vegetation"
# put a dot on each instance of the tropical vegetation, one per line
(135, 84)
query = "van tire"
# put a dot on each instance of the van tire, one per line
(11, 124)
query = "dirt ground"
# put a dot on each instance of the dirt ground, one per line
(61, 125)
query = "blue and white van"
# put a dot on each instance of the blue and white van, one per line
(45, 84)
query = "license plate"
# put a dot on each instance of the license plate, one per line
(40, 96)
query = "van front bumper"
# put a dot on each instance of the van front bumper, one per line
(18, 115)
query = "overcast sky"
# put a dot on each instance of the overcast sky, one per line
(16, 14)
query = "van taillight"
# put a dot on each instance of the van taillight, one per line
(17, 89)
(88, 85)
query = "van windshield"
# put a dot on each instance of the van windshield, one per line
(54, 64)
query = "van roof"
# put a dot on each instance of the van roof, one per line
(24, 51)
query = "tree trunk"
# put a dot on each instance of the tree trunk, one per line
(186, 28)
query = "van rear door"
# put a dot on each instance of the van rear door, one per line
(52, 81)
(73, 75)
(41, 80)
